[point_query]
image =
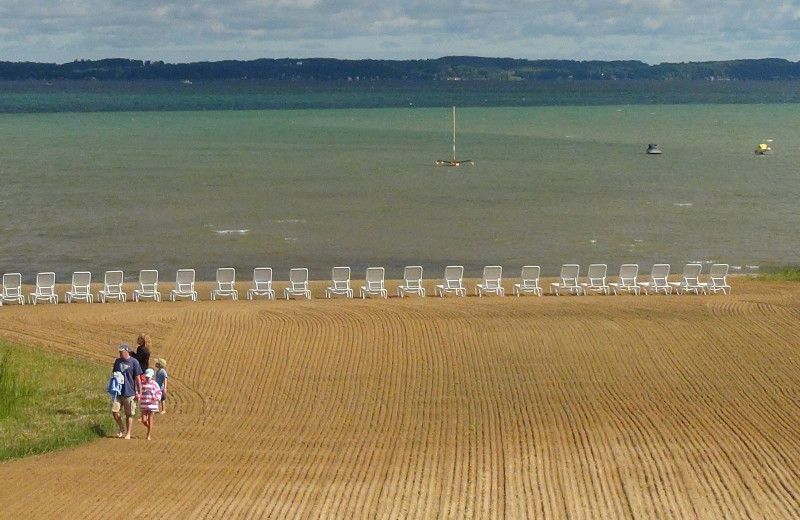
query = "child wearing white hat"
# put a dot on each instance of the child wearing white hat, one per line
(149, 400)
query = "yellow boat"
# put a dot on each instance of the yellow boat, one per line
(763, 149)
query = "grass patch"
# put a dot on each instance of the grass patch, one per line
(785, 274)
(49, 402)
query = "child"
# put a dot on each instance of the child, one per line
(161, 379)
(151, 396)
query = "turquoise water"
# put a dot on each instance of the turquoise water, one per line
(318, 188)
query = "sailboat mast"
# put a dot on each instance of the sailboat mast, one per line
(454, 133)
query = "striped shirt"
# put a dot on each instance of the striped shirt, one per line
(151, 395)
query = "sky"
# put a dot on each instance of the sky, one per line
(182, 31)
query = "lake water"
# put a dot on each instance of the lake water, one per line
(318, 188)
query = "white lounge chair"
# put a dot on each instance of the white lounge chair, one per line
(596, 279)
(659, 280)
(529, 281)
(12, 289)
(492, 281)
(567, 280)
(148, 285)
(374, 283)
(690, 280)
(45, 289)
(262, 284)
(80, 288)
(412, 281)
(453, 281)
(718, 279)
(627, 279)
(184, 285)
(112, 287)
(340, 283)
(298, 283)
(226, 284)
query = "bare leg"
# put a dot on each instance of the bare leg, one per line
(149, 424)
(129, 421)
(119, 423)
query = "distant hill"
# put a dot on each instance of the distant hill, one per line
(451, 68)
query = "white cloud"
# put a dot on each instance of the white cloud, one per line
(650, 30)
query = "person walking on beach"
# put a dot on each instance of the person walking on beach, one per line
(162, 378)
(131, 388)
(142, 353)
(151, 397)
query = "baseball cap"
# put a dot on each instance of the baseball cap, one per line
(149, 373)
(124, 346)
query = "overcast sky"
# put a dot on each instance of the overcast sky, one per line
(652, 31)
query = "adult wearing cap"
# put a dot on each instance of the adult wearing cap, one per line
(131, 389)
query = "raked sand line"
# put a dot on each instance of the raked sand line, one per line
(595, 407)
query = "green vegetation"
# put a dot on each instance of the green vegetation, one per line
(785, 274)
(49, 402)
(15, 393)
(438, 69)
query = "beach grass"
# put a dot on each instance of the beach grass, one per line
(49, 402)
(784, 274)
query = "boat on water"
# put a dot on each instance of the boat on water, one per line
(453, 161)
(763, 149)
(653, 149)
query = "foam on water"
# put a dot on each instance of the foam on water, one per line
(231, 231)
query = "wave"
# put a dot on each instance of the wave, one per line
(231, 231)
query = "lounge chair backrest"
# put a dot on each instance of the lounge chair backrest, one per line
(298, 278)
(112, 281)
(718, 273)
(412, 281)
(628, 274)
(453, 276)
(148, 285)
(569, 274)
(492, 276)
(412, 276)
(530, 276)
(340, 278)
(718, 279)
(45, 284)
(374, 278)
(148, 280)
(226, 278)
(597, 274)
(659, 275)
(226, 284)
(81, 282)
(80, 288)
(12, 285)
(529, 281)
(262, 278)
(340, 282)
(262, 284)
(691, 273)
(184, 280)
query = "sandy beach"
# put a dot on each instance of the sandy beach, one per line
(596, 407)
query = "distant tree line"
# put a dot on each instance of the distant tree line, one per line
(440, 69)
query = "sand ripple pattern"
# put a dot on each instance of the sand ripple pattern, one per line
(551, 408)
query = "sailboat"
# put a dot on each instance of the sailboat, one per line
(454, 161)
